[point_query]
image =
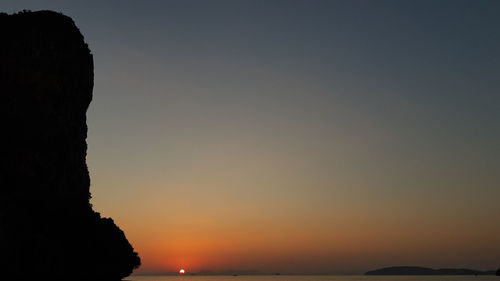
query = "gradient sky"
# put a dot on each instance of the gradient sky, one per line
(295, 136)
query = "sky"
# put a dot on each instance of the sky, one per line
(295, 136)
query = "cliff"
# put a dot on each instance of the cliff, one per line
(416, 270)
(47, 225)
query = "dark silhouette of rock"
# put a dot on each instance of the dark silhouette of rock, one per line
(47, 225)
(498, 272)
(416, 270)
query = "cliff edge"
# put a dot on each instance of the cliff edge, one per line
(47, 225)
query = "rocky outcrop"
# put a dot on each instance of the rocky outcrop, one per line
(47, 225)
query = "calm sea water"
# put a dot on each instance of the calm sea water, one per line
(313, 278)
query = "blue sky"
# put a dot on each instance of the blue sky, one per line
(208, 114)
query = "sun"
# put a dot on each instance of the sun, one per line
(182, 271)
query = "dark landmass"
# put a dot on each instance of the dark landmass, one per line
(498, 272)
(47, 225)
(415, 270)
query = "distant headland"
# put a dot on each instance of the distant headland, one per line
(417, 270)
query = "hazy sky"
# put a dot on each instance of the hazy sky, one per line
(295, 136)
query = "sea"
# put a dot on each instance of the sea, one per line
(314, 278)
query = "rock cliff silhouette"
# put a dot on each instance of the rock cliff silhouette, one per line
(47, 225)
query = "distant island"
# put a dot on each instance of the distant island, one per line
(416, 270)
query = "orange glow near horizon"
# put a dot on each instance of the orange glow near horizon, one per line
(218, 234)
(300, 245)
(324, 137)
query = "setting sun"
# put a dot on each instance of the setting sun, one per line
(249, 139)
